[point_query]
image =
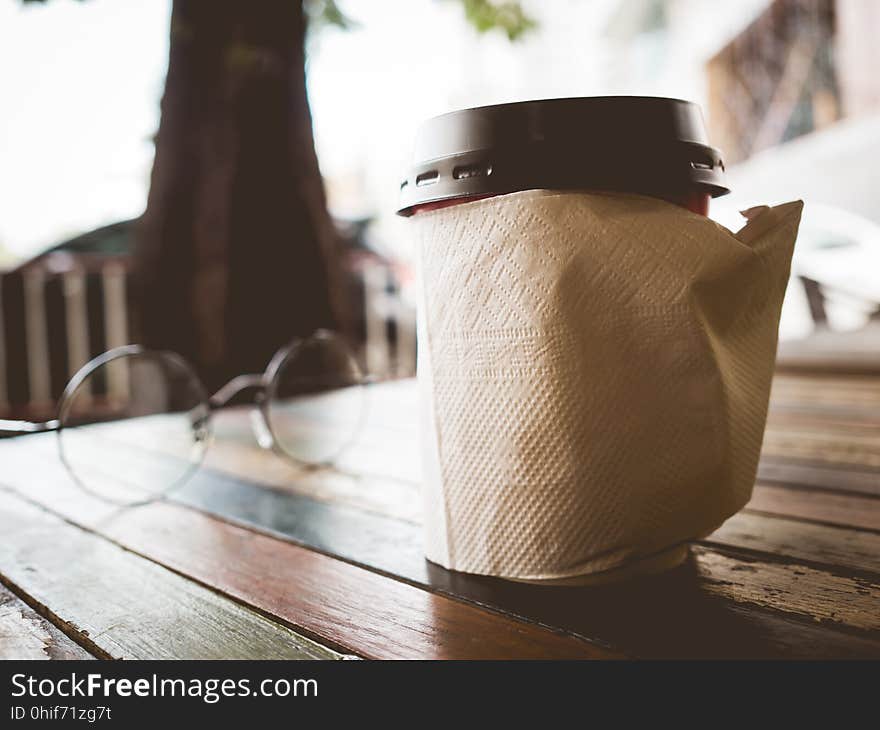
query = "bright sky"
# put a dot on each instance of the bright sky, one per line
(80, 84)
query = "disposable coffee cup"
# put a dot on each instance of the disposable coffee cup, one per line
(593, 363)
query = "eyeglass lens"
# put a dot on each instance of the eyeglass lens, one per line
(134, 427)
(316, 402)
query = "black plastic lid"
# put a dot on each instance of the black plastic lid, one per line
(638, 144)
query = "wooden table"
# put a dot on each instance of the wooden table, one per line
(254, 558)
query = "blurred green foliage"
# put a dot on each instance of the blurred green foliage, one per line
(327, 13)
(507, 16)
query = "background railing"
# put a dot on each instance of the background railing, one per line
(56, 313)
(60, 310)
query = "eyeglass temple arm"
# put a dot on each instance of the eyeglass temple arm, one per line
(233, 388)
(242, 382)
(27, 426)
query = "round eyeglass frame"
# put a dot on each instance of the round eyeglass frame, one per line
(266, 383)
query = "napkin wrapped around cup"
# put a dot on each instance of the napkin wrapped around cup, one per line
(594, 374)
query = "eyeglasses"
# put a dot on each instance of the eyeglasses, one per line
(134, 424)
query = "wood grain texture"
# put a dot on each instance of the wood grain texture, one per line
(683, 613)
(24, 634)
(379, 617)
(727, 626)
(825, 443)
(125, 606)
(821, 476)
(825, 419)
(785, 537)
(834, 547)
(368, 614)
(846, 510)
(395, 547)
(764, 587)
(374, 616)
(820, 391)
(815, 594)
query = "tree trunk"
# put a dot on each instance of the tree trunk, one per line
(235, 248)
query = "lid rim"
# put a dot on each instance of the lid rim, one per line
(627, 143)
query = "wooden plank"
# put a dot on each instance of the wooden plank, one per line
(847, 414)
(373, 615)
(124, 606)
(367, 458)
(390, 495)
(696, 611)
(820, 391)
(849, 362)
(825, 419)
(846, 445)
(846, 510)
(832, 547)
(814, 594)
(24, 634)
(821, 476)
(369, 614)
